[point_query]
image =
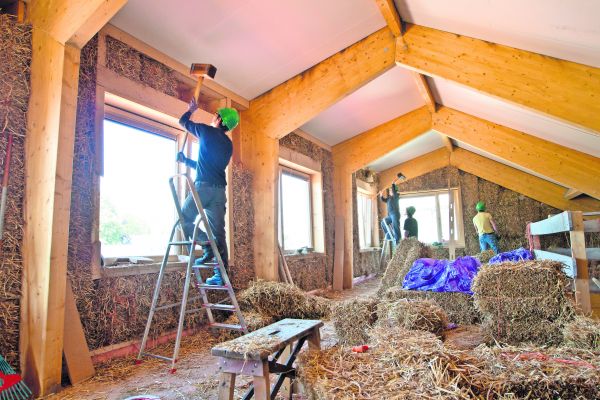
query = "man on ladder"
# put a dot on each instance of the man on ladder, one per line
(213, 157)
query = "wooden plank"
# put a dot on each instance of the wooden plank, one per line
(572, 193)
(286, 331)
(227, 386)
(567, 260)
(566, 166)
(391, 16)
(95, 22)
(338, 266)
(262, 387)
(77, 352)
(582, 277)
(559, 88)
(592, 253)
(418, 166)
(592, 225)
(557, 223)
(288, 106)
(519, 181)
(368, 146)
(425, 91)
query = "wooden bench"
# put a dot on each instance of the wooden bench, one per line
(260, 364)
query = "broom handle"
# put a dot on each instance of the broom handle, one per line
(5, 185)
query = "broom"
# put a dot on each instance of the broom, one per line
(11, 385)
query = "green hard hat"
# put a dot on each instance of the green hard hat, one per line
(230, 117)
(480, 206)
(410, 210)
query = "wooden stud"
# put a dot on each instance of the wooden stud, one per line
(569, 167)
(425, 91)
(518, 181)
(559, 88)
(262, 386)
(342, 196)
(582, 277)
(418, 166)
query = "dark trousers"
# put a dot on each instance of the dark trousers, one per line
(394, 219)
(213, 200)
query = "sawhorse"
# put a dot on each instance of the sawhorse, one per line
(259, 366)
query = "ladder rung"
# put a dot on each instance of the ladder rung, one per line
(180, 243)
(157, 356)
(176, 304)
(224, 307)
(226, 326)
(205, 266)
(212, 287)
(194, 310)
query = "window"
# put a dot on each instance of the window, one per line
(432, 215)
(364, 205)
(295, 213)
(136, 206)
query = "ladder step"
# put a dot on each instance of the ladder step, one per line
(224, 307)
(206, 266)
(157, 356)
(212, 287)
(176, 304)
(180, 243)
(226, 326)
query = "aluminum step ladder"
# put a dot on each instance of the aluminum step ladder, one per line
(198, 281)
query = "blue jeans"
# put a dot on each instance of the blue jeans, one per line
(213, 200)
(394, 220)
(488, 239)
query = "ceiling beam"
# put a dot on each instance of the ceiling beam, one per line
(447, 142)
(425, 91)
(391, 16)
(95, 22)
(296, 101)
(519, 181)
(368, 146)
(559, 88)
(570, 194)
(418, 166)
(569, 167)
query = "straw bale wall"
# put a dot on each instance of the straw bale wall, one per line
(315, 271)
(15, 59)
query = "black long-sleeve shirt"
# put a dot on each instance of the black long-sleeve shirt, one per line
(215, 151)
(393, 207)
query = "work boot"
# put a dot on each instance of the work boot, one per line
(207, 256)
(216, 279)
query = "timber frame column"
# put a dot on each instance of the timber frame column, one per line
(56, 42)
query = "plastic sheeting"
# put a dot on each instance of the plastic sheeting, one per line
(442, 275)
(520, 254)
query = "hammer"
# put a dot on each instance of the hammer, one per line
(201, 71)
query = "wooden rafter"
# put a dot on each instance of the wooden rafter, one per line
(418, 166)
(447, 142)
(391, 16)
(570, 194)
(559, 88)
(519, 181)
(569, 167)
(425, 91)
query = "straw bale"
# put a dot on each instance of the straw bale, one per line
(308, 271)
(352, 320)
(406, 254)
(122, 59)
(253, 320)
(539, 332)
(158, 76)
(9, 326)
(423, 315)
(485, 256)
(458, 306)
(583, 333)
(282, 300)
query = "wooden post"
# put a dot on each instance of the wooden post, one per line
(227, 386)
(582, 277)
(262, 387)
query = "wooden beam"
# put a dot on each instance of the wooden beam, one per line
(518, 181)
(570, 194)
(296, 101)
(582, 277)
(362, 149)
(558, 88)
(391, 16)
(95, 22)
(447, 142)
(425, 91)
(569, 167)
(61, 19)
(418, 166)
(342, 196)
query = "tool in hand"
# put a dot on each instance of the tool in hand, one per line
(201, 71)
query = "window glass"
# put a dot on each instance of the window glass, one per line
(365, 220)
(136, 206)
(295, 220)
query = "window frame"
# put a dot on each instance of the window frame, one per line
(361, 191)
(459, 242)
(308, 178)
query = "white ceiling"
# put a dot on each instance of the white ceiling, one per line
(255, 44)
(389, 96)
(423, 144)
(566, 29)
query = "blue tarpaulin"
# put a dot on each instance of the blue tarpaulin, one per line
(442, 275)
(520, 254)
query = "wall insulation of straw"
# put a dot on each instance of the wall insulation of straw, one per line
(114, 309)
(315, 271)
(511, 210)
(15, 58)
(365, 261)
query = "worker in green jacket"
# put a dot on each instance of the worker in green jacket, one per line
(411, 226)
